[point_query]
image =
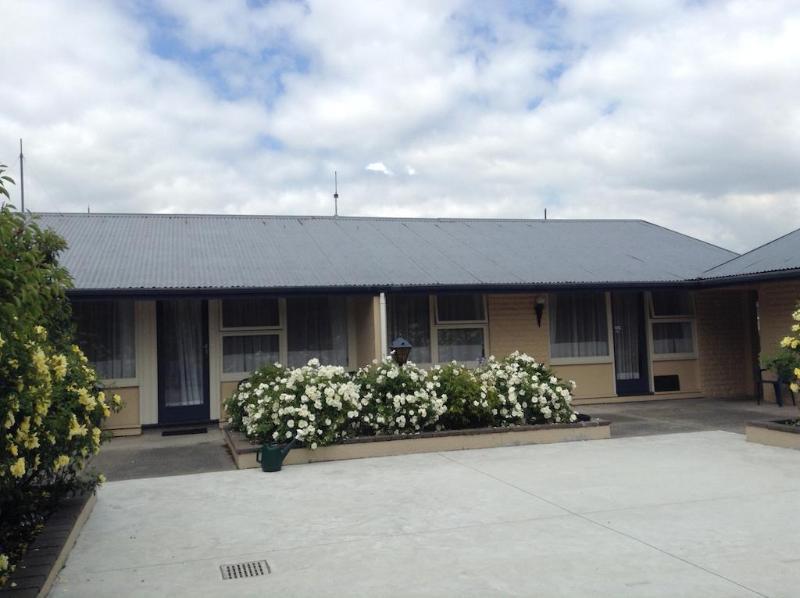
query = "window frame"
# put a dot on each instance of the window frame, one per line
(682, 317)
(673, 319)
(588, 360)
(436, 325)
(279, 331)
(279, 326)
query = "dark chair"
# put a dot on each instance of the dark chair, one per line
(777, 385)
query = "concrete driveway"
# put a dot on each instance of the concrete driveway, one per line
(693, 514)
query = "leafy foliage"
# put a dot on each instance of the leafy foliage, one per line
(784, 363)
(791, 344)
(51, 407)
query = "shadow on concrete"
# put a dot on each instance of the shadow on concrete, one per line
(153, 455)
(684, 415)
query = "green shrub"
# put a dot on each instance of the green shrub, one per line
(51, 407)
(469, 404)
(784, 363)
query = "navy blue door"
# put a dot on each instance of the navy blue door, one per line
(630, 343)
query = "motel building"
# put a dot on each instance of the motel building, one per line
(174, 310)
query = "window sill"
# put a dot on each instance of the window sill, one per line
(580, 360)
(674, 356)
(119, 382)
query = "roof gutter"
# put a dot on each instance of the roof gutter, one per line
(212, 293)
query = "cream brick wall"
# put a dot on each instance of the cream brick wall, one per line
(724, 343)
(512, 326)
(776, 302)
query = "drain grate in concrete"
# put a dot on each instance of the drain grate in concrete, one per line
(246, 569)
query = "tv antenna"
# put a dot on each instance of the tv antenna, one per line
(335, 194)
(21, 179)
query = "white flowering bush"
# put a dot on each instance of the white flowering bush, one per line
(398, 399)
(315, 403)
(520, 390)
(321, 405)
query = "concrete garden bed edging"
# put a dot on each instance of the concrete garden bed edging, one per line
(773, 433)
(244, 452)
(37, 570)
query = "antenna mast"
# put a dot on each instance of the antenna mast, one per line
(21, 178)
(335, 194)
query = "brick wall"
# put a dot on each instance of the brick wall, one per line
(512, 326)
(776, 302)
(724, 343)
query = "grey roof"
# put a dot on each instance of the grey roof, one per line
(776, 256)
(116, 252)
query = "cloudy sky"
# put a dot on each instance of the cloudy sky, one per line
(685, 113)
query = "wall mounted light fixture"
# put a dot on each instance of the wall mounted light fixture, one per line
(539, 307)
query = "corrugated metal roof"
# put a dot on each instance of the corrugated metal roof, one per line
(162, 252)
(781, 254)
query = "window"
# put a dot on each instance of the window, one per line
(460, 344)
(316, 327)
(460, 327)
(258, 312)
(672, 338)
(106, 334)
(409, 317)
(578, 325)
(440, 328)
(670, 304)
(460, 308)
(256, 342)
(247, 353)
(672, 314)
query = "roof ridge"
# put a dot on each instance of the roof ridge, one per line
(677, 232)
(330, 217)
(746, 253)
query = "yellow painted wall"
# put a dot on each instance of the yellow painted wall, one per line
(127, 420)
(686, 369)
(366, 332)
(226, 389)
(513, 327)
(594, 380)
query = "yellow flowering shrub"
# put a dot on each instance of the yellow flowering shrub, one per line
(792, 343)
(51, 407)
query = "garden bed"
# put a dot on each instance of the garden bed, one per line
(244, 451)
(783, 433)
(37, 570)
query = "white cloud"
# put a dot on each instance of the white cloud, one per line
(378, 167)
(681, 113)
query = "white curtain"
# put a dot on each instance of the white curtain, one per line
(625, 309)
(183, 333)
(464, 345)
(578, 325)
(672, 337)
(316, 327)
(409, 318)
(105, 333)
